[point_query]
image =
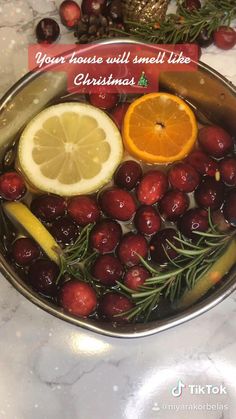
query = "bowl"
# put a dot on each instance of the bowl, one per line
(213, 99)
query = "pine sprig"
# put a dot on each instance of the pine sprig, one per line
(185, 26)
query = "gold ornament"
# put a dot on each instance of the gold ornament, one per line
(144, 11)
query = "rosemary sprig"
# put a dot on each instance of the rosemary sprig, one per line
(185, 26)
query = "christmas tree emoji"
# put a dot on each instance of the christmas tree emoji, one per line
(143, 81)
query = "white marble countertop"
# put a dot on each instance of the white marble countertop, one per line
(50, 369)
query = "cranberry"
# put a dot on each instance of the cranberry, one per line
(43, 275)
(194, 219)
(48, 207)
(103, 100)
(128, 174)
(70, 13)
(135, 277)
(131, 247)
(202, 163)
(219, 220)
(228, 171)
(107, 269)
(64, 231)
(160, 248)
(114, 10)
(229, 208)
(192, 5)
(117, 203)
(47, 31)
(152, 187)
(147, 220)
(77, 298)
(83, 210)
(184, 177)
(210, 193)
(112, 305)
(105, 236)
(118, 114)
(24, 251)
(12, 186)
(225, 37)
(94, 7)
(173, 205)
(215, 141)
(204, 39)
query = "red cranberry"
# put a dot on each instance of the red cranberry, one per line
(107, 269)
(112, 305)
(225, 37)
(215, 141)
(228, 171)
(12, 186)
(24, 251)
(83, 210)
(147, 220)
(118, 113)
(117, 203)
(194, 219)
(47, 31)
(105, 236)
(210, 193)
(229, 208)
(128, 174)
(202, 163)
(184, 177)
(152, 187)
(70, 13)
(160, 248)
(131, 247)
(43, 275)
(173, 205)
(103, 100)
(135, 277)
(192, 5)
(94, 7)
(64, 231)
(78, 298)
(48, 207)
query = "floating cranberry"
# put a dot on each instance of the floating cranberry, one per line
(70, 13)
(135, 277)
(225, 37)
(229, 208)
(160, 249)
(107, 269)
(192, 5)
(228, 171)
(215, 141)
(112, 305)
(118, 113)
(47, 31)
(83, 210)
(117, 203)
(184, 177)
(105, 236)
(147, 220)
(64, 231)
(194, 219)
(131, 247)
(173, 205)
(202, 163)
(24, 251)
(104, 100)
(48, 207)
(94, 7)
(77, 298)
(12, 186)
(210, 193)
(43, 275)
(152, 187)
(128, 174)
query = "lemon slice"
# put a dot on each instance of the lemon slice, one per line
(70, 149)
(19, 214)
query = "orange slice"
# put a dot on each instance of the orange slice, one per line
(159, 128)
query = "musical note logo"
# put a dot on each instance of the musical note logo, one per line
(178, 390)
